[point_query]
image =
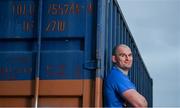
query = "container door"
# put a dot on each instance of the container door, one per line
(67, 53)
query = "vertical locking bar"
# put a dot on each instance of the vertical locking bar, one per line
(38, 56)
(101, 7)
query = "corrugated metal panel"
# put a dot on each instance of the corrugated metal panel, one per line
(138, 73)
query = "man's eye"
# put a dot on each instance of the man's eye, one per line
(122, 55)
(130, 55)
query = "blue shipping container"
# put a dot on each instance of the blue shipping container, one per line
(65, 44)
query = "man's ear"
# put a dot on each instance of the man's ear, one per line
(114, 59)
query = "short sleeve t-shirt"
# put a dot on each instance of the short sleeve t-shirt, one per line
(115, 85)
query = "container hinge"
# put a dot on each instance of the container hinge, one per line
(90, 65)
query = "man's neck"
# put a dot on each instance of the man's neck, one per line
(123, 71)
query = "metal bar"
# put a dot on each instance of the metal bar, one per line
(36, 96)
(100, 50)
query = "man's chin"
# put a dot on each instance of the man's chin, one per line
(128, 67)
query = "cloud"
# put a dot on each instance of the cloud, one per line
(155, 26)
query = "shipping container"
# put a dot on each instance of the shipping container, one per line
(55, 53)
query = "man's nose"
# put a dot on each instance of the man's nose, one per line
(127, 57)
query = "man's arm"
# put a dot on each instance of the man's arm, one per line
(134, 98)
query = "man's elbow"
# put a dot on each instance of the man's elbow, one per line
(141, 103)
(135, 99)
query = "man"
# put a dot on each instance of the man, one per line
(119, 91)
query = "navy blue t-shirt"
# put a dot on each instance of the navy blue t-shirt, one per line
(115, 85)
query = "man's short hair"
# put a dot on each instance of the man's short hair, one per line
(114, 51)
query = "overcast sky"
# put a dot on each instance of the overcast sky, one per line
(155, 26)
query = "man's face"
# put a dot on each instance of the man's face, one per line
(123, 58)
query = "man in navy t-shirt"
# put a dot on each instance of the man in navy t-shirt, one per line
(119, 91)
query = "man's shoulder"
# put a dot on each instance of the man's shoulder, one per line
(116, 72)
(114, 75)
